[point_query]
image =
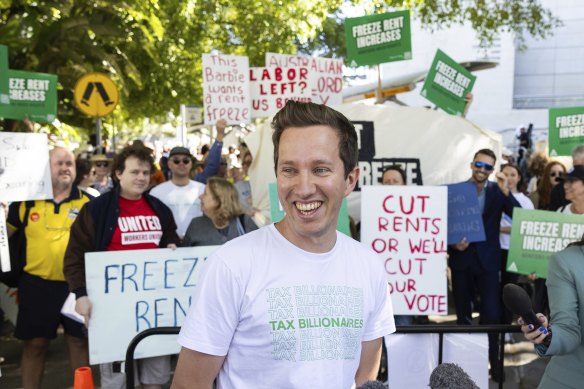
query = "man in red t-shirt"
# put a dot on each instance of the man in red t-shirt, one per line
(123, 219)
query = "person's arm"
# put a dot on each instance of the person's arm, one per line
(214, 157)
(468, 101)
(195, 370)
(369, 361)
(81, 240)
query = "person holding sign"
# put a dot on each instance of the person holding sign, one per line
(42, 287)
(478, 264)
(563, 337)
(125, 218)
(296, 303)
(516, 186)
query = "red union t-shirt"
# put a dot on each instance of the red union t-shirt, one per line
(138, 226)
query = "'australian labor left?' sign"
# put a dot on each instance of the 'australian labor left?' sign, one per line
(447, 84)
(380, 38)
(132, 291)
(32, 96)
(566, 129)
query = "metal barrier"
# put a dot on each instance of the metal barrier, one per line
(439, 329)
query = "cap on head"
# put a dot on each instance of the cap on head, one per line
(575, 174)
(179, 150)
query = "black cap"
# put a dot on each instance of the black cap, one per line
(575, 174)
(179, 150)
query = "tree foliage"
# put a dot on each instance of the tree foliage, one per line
(152, 48)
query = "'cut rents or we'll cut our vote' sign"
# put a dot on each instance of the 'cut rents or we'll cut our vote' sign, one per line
(406, 227)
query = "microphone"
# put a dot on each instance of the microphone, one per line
(450, 376)
(372, 385)
(517, 301)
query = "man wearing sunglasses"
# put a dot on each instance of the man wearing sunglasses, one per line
(181, 194)
(477, 265)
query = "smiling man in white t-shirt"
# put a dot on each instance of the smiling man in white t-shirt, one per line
(294, 304)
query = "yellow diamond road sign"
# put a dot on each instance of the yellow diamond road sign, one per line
(96, 95)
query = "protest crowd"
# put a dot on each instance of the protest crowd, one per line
(141, 236)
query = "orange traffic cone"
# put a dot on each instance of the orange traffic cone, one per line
(83, 378)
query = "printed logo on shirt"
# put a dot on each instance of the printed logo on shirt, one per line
(140, 229)
(315, 322)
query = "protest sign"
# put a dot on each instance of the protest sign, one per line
(406, 226)
(447, 84)
(325, 75)
(271, 88)
(24, 167)
(380, 38)
(566, 130)
(277, 211)
(536, 235)
(464, 214)
(132, 291)
(32, 96)
(226, 88)
(4, 90)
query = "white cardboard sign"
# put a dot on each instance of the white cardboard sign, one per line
(271, 88)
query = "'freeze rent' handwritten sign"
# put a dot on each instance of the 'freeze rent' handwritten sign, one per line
(271, 88)
(226, 88)
(406, 226)
(135, 290)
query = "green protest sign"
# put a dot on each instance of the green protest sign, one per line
(277, 211)
(566, 130)
(32, 96)
(4, 99)
(379, 38)
(536, 235)
(447, 84)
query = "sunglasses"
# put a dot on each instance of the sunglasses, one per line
(555, 174)
(483, 165)
(185, 161)
(102, 164)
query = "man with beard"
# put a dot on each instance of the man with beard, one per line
(42, 288)
(477, 265)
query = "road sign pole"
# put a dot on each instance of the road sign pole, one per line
(98, 134)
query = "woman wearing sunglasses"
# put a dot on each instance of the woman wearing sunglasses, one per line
(542, 195)
(103, 180)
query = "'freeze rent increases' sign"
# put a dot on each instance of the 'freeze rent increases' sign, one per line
(135, 290)
(226, 88)
(380, 38)
(566, 129)
(535, 235)
(406, 226)
(447, 84)
(32, 96)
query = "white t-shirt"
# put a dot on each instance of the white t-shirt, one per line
(287, 318)
(183, 201)
(506, 221)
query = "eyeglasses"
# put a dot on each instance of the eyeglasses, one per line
(185, 161)
(483, 165)
(102, 164)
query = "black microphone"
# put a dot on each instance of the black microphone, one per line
(450, 376)
(517, 301)
(372, 385)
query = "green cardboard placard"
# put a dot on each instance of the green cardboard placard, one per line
(447, 84)
(277, 211)
(536, 235)
(379, 38)
(566, 130)
(4, 94)
(32, 95)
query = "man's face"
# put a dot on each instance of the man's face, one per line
(482, 167)
(62, 168)
(180, 165)
(134, 179)
(574, 189)
(392, 177)
(311, 183)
